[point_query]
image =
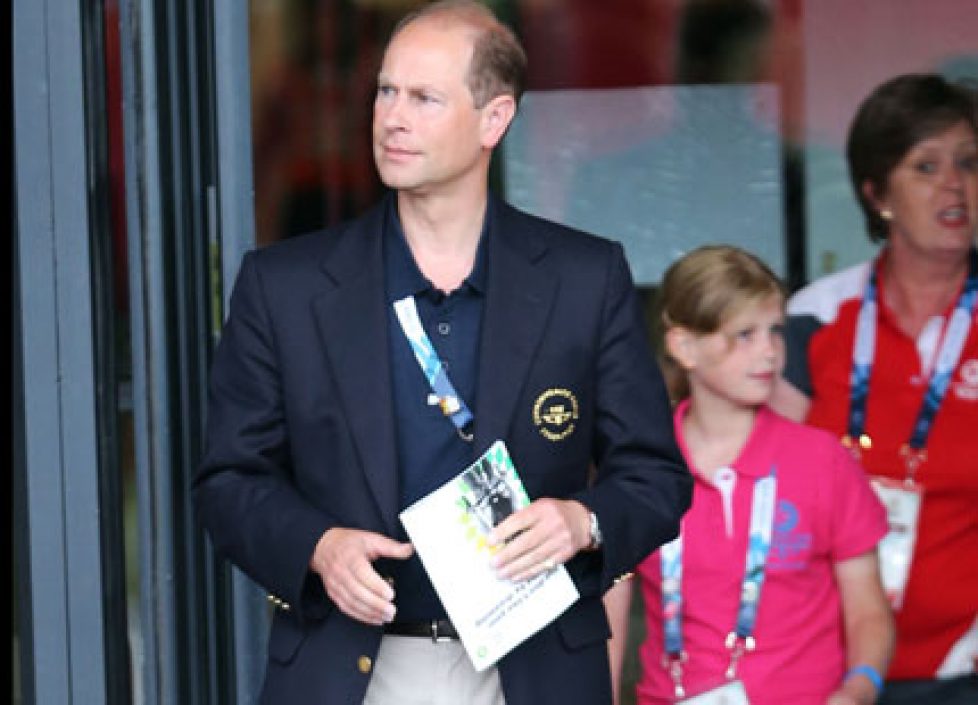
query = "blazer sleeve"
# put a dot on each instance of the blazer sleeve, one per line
(243, 491)
(643, 487)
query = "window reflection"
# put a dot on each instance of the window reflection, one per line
(313, 79)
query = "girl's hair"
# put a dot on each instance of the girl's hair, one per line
(704, 289)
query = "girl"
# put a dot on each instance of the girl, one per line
(771, 593)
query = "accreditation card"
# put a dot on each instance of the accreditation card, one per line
(902, 502)
(731, 693)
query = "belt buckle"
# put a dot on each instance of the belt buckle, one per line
(435, 636)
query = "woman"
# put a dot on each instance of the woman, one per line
(885, 354)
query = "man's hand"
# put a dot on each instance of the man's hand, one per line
(541, 536)
(343, 559)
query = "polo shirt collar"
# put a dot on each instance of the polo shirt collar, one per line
(402, 273)
(754, 459)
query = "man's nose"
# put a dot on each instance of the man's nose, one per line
(393, 115)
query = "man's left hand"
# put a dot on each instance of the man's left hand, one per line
(540, 537)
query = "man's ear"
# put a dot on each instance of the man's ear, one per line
(497, 114)
(681, 345)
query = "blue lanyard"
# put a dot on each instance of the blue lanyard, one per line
(741, 639)
(451, 404)
(864, 348)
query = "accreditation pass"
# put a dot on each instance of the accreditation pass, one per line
(902, 502)
(731, 693)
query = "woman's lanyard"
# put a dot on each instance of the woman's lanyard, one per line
(741, 640)
(864, 348)
(451, 404)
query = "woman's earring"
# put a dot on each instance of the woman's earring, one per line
(886, 214)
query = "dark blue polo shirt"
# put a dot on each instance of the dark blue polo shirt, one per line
(429, 450)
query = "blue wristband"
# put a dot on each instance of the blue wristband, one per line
(871, 673)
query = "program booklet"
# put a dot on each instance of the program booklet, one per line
(450, 531)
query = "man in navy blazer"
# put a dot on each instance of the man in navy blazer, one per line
(323, 426)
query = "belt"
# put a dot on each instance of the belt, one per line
(434, 629)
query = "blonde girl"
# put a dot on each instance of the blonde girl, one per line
(771, 594)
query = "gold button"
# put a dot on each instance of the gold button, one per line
(364, 663)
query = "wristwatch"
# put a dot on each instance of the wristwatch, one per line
(596, 538)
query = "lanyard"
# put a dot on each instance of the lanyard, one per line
(449, 401)
(741, 639)
(863, 350)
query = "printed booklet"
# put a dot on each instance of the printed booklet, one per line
(450, 530)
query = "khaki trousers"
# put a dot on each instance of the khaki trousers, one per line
(412, 670)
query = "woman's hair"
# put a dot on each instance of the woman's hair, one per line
(703, 290)
(896, 116)
(498, 63)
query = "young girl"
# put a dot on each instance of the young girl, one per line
(771, 594)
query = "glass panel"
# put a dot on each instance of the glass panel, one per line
(662, 169)
(313, 77)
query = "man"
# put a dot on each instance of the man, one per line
(323, 426)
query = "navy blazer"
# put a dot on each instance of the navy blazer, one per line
(301, 437)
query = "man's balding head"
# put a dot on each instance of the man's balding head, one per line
(498, 64)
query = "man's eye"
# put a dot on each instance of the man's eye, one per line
(926, 167)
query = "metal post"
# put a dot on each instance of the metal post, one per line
(59, 435)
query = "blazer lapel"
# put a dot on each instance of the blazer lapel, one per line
(352, 320)
(520, 295)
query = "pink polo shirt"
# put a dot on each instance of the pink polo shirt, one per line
(826, 512)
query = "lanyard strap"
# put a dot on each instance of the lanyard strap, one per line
(758, 546)
(451, 404)
(741, 639)
(671, 558)
(864, 347)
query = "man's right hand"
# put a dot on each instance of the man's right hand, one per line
(343, 559)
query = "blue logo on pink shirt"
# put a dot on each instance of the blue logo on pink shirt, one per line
(790, 547)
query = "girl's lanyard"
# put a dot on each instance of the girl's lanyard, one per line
(741, 640)
(449, 401)
(863, 350)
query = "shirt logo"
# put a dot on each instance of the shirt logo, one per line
(554, 414)
(789, 546)
(966, 388)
